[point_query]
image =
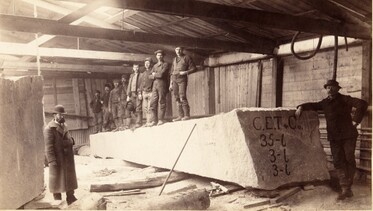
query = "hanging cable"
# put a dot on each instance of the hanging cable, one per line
(304, 57)
(335, 62)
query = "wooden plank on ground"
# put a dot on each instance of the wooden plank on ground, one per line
(285, 195)
(151, 180)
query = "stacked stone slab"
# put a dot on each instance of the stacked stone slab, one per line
(258, 148)
(21, 141)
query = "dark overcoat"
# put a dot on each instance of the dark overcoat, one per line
(59, 152)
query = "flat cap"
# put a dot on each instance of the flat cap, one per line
(148, 59)
(159, 51)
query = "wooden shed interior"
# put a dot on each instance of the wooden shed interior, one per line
(241, 48)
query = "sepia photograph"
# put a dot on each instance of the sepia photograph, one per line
(186, 105)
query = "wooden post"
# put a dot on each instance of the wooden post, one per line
(277, 82)
(366, 94)
(75, 83)
(211, 91)
(366, 81)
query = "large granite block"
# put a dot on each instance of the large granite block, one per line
(259, 148)
(21, 141)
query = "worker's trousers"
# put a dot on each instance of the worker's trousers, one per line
(343, 152)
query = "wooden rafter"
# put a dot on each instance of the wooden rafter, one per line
(24, 49)
(205, 10)
(335, 12)
(34, 25)
(15, 65)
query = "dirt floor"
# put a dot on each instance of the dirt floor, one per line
(92, 170)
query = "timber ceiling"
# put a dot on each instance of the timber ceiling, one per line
(118, 32)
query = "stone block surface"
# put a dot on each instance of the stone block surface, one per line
(21, 140)
(252, 147)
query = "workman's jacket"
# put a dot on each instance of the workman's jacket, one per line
(182, 63)
(96, 105)
(161, 77)
(134, 84)
(105, 99)
(338, 115)
(146, 82)
(115, 95)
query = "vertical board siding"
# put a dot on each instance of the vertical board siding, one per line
(235, 86)
(195, 92)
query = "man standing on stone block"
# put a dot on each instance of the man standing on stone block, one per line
(146, 88)
(341, 129)
(114, 104)
(60, 156)
(134, 97)
(182, 65)
(160, 76)
(123, 102)
(108, 118)
(96, 106)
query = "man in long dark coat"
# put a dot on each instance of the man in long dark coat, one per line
(342, 132)
(59, 152)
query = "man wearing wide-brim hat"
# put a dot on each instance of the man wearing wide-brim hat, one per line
(341, 129)
(160, 75)
(60, 156)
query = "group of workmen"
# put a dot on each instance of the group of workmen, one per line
(145, 90)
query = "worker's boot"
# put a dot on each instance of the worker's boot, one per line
(138, 120)
(99, 128)
(117, 125)
(349, 193)
(57, 196)
(186, 112)
(181, 112)
(70, 198)
(343, 194)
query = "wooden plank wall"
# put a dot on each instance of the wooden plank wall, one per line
(236, 86)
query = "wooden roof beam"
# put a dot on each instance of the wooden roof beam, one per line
(24, 49)
(335, 12)
(53, 67)
(34, 25)
(220, 12)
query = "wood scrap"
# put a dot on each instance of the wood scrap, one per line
(151, 180)
(285, 195)
(190, 200)
(219, 190)
(308, 187)
(257, 203)
(125, 193)
(270, 207)
(265, 193)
